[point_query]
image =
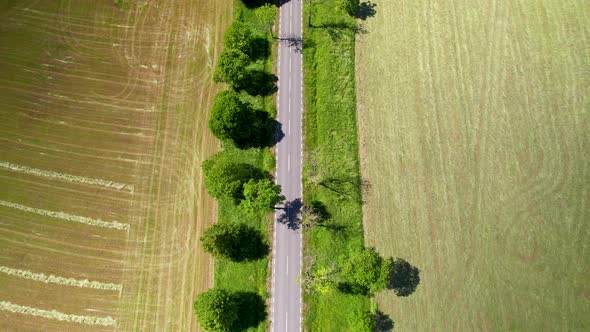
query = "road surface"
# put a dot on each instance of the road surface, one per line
(286, 292)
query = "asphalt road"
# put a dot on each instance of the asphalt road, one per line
(286, 292)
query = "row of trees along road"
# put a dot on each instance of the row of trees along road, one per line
(235, 122)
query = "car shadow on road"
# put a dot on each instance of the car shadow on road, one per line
(291, 215)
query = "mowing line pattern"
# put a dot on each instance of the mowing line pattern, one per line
(54, 314)
(66, 177)
(475, 134)
(68, 217)
(60, 280)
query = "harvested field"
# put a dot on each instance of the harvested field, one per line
(475, 136)
(103, 127)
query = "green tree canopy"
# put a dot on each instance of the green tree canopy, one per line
(313, 214)
(239, 37)
(323, 280)
(363, 321)
(349, 6)
(225, 179)
(231, 118)
(236, 242)
(265, 15)
(217, 310)
(368, 270)
(231, 67)
(261, 196)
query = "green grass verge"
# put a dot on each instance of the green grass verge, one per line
(244, 276)
(248, 276)
(331, 166)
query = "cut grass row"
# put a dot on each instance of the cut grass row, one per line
(41, 277)
(331, 166)
(60, 316)
(247, 276)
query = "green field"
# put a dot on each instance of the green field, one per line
(475, 136)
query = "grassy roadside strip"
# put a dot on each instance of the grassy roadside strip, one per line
(248, 276)
(331, 165)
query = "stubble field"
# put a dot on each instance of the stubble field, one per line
(103, 126)
(475, 135)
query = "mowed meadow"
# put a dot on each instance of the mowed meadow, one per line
(103, 127)
(475, 136)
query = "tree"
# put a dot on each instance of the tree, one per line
(324, 280)
(231, 67)
(318, 171)
(261, 196)
(384, 275)
(217, 310)
(310, 216)
(266, 16)
(366, 269)
(310, 4)
(349, 6)
(363, 321)
(236, 242)
(239, 37)
(225, 179)
(231, 118)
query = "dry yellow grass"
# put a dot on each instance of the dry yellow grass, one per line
(475, 126)
(104, 117)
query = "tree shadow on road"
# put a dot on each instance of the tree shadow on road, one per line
(291, 214)
(283, 2)
(296, 43)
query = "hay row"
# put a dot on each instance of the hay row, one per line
(66, 177)
(69, 217)
(85, 283)
(53, 314)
